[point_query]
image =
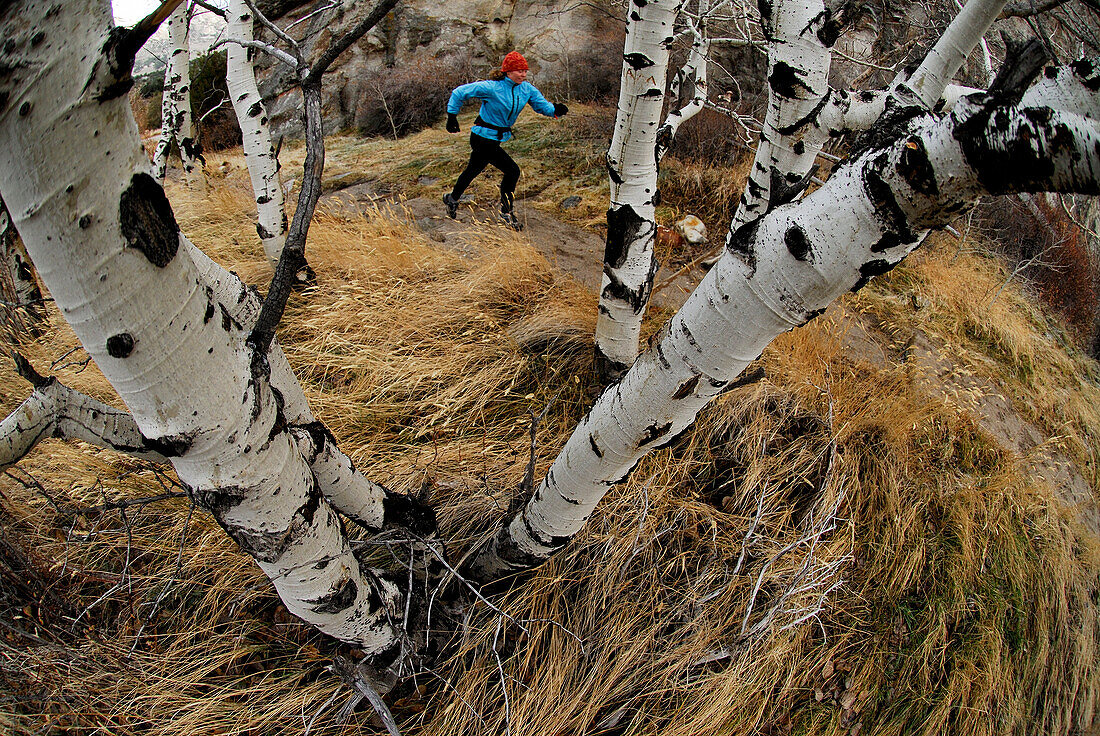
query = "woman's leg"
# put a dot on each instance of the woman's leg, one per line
(480, 156)
(510, 170)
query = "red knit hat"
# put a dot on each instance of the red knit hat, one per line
(513, 62)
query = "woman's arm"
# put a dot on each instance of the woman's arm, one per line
(540, 104)
(465, 92)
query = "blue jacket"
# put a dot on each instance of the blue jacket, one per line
(501, 103)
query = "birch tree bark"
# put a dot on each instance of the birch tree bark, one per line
(782, 273)
(259, 153)
(803, 112)
(692, 74)
(176, 124)
(629, 266)
(800, 34)
(925, 86)
(105, 241)
(55, 410)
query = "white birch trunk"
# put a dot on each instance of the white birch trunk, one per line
(926, 85)
(629, 265)
(348, 490)
(798, 125)
(104, 239)
(259, 153)
(800, 34)
(694, 72)
(175, 107)
(1072, 88)
(781, 274)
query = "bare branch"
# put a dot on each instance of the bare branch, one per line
(1028, 8)
(503, 681)
(220, 12)
(279, 32)
(168, 584)
(263, 47)
(55, 410)
(315, 13)
(147, 26)
(357, 678)
(369, 21)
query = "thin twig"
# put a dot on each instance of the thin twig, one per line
(1074, 220)
(147, 26)
(458, 695)
(279, 32)
(168, 584)
(503, 682)
(220, 12)
(355, 676)
(324, 706)
(260, 46)
(307, 16)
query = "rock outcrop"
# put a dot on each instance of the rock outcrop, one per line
(559, 38)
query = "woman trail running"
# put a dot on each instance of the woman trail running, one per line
(502, 97)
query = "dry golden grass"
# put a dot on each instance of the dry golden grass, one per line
(967, 593)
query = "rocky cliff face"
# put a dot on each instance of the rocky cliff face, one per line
(558, 37)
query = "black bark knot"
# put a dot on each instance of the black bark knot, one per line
(798, 244)
(686, 388)
(624, 226)
(891, 218)
(765, 8)
(218, 502)
(408, 512)
(742, 243)
(654, 433)
(1086, 71)
(870, 270)
(637, 61)
(915, 167)
(830, 30)
(120, 345)
(147, 222)
(338, 599)
(785, 80)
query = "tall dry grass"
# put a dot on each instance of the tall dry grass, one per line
(914, 577)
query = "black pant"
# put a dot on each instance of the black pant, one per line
(484, 152)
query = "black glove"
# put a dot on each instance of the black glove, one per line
(560, 110)
(452, 123)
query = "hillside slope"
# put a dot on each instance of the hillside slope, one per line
(893, 532)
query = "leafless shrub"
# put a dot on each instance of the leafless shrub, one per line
(402, 100)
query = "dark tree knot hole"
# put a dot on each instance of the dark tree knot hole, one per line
(120, 345)
(147, 222)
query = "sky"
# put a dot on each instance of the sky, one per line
(129, 12)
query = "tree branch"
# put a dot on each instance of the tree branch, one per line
(147, 26)
(220, 12)
(1028, 8)
(279, 32)
(55, 410)
(265, 48)
(337, 48)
